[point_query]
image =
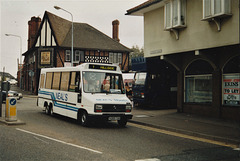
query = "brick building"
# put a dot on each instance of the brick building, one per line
(50, 41)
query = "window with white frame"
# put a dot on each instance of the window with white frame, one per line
(115, 58)
(110, 57)
(68, 55)
(214, 8)
(81, 56)
(175, 14)
(77, 56)
(120, 58)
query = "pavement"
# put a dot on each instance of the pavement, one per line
(225, 131)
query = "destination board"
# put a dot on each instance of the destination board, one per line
(102, 67)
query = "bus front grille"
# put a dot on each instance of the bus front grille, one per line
(113, 108)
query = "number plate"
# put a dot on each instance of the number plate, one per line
(114, 118)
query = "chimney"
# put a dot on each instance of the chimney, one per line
(33, 26)
(115, 32)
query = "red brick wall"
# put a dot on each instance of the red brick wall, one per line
(33, 26)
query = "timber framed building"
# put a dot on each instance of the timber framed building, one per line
(49, 45)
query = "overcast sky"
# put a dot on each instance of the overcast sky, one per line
(15, 15)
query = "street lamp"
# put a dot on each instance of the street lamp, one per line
(59, 8)
(20, 63)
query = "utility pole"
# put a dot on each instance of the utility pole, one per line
(2, 79)
(59, 8)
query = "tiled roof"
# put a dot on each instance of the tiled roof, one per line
(85, 36)
(142, 6)
(59, 26)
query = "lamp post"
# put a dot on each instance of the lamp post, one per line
(59, 8)
(20, 62)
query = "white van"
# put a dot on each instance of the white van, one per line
(85, 92)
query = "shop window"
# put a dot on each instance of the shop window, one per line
(175, 14)
(215, 8)
(231, 83)
(198, 89)
(198, 82)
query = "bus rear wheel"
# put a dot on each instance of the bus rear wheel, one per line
(51, 110)
(47, 110)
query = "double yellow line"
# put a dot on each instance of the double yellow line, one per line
(184, 136)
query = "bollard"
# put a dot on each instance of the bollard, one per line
(11, 109)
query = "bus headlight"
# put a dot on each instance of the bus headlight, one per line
(98, 108)
(128, 107)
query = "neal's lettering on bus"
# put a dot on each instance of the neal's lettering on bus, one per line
(61, 96)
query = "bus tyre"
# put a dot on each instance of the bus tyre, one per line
(47, 111)
(83, 119)
(122, 122)
(51, 111)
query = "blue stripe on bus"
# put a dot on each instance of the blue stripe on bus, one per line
(55, 103)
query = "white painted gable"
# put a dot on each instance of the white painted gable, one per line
(46, 37)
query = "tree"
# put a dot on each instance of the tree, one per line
(136, 52)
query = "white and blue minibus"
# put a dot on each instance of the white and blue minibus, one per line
(87, 92)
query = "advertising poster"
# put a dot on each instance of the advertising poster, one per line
(231, 90)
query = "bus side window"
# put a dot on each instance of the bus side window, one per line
(49, 80)
(56, 80)
(74, 82)
(65, 81)
(42, 81)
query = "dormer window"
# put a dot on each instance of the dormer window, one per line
(175, 14)
(216, 8)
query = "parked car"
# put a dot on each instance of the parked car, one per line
(13, 81)
(15, 94)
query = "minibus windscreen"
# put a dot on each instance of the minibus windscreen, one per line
(97, 82)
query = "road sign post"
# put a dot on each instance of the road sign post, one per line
(11, 109)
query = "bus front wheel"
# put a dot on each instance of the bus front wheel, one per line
(83, 118)
(122, 122)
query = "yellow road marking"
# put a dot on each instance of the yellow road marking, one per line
(184, 135)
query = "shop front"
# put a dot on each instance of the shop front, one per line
(209, 83)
